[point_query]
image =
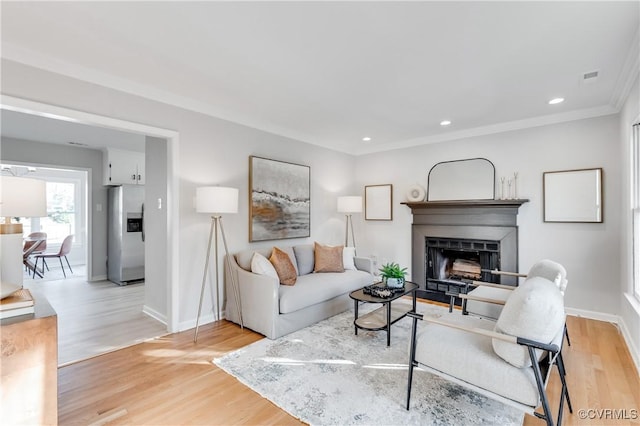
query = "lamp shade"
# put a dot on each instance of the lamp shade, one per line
(22, 197)
(350, 204)
(216, 199)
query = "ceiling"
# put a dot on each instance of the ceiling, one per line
(43, 129)
(331, 73)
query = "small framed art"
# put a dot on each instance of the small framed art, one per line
(378, 201)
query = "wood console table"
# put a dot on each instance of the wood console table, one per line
(29, 362)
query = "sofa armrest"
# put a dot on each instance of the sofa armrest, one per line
(259, 299)
(364, 264)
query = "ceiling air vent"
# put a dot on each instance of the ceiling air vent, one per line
(590, 77)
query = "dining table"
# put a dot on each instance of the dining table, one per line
(28, 251)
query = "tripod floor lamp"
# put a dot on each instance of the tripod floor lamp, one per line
(347, 205)
(217, 200)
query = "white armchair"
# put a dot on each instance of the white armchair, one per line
(486, 299)
(509, 360)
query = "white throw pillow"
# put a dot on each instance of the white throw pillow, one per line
(348, 253)
(261, 265)
(535, 311)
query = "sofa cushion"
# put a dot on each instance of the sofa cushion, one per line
(304, 258)
(535, 310)
(311, 289)
(292, 257)
(348, 253)
(470, 358)
(282, 262)
(327, 258)
(261, 265)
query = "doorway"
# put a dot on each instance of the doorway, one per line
(167, 230)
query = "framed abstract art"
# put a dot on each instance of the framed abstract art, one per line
(279, 200)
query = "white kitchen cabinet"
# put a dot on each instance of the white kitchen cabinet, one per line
(124, 167)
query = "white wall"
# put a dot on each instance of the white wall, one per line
(211, 151)
(73, 157)
(155, 219)
(590, 252)
(629, 307)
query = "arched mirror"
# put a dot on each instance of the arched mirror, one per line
(472, 179)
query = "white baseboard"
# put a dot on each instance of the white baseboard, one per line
(630, 345)
(618, 321)
(98, 278)
(600, 316)
(204, 319)
(154, 314)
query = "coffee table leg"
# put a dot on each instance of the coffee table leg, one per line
(414, 301)
(389, 324)
(355, 308)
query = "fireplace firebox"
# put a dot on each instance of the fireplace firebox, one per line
(452, 263)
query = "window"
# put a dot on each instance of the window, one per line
(635, 205)
(66, 208)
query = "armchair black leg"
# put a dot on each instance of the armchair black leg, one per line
(566, 334)
(565, 389)
(412, 360)
(548, 417)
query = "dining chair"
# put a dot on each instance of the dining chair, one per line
(65, 248)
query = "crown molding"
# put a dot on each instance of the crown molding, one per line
(509, 126)
(628, 75)
(90, 75)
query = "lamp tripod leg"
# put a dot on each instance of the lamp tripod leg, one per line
(217, 296)
(353, 234)
(232, 277)
(346, 230)
(204, 280)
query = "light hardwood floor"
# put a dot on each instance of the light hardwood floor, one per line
(94, 317)
(171, 380)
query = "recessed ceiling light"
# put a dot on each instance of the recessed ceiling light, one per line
(366, 139)
(555, 101)
(445, 123)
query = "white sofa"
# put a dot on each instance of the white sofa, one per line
(273, 309)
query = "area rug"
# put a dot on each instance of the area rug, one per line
(326, 375)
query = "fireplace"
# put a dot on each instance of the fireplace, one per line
(455, 242)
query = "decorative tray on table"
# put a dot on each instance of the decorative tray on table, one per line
(381, 290)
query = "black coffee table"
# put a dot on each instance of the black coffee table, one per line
(385, 316)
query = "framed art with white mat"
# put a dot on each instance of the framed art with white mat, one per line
(378, 200)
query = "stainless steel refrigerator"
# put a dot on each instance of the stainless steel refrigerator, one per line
(125, 261)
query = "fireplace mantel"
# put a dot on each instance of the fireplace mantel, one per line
(464, 203)
(466, 212)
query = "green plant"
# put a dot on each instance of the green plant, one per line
(392, 270)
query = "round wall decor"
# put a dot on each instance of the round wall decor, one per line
(416, 193)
